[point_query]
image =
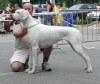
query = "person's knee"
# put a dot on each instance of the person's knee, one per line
(16, 66)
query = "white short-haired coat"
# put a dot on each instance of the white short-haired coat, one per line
(42, 36)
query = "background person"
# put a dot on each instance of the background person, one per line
(21, 50)
(59, 16)
(49, 9)
(36, 10)
(8, 8)
(7, 11)
(2, 29)
(16, 6)
(98, 22)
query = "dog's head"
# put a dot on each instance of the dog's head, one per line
(20, 14)
(25, 18)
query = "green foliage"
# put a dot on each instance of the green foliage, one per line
(3, 4)
(64, 4)
(78, 1)
(88, 20)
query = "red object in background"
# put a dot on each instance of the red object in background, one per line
(7, 25)
(1, 11)
(78, 14)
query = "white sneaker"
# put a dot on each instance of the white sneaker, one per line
(46, 66)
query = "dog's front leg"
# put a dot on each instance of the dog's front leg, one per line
(30, 61)
(33, 61)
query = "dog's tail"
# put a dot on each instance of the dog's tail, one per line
(87, 47)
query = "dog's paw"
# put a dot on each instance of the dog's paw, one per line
(31, 72)
(89, 70)
(85, 68)
(27, 70)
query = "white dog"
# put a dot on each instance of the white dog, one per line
(42, 36)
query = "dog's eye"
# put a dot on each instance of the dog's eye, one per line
(17, 12)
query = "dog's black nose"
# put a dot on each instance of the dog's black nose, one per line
(10, 14)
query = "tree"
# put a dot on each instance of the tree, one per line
(3, 4)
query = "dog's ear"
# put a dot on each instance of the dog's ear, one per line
(25, 14)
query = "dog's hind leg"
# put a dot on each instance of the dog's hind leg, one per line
(79, 50)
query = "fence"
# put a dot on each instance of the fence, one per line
(80, 19)
(86, 22)
(83, 20)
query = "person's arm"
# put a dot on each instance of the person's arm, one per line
(48, 8)
(20, 34)
(1, 28)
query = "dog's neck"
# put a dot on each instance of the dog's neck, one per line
(29, 22)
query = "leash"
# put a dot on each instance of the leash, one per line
(69, 23)
(33, 25)
(19, 21)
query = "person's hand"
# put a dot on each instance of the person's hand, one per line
(21, 34)
(25, 31)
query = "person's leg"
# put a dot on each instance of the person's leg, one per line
(16, 66)
(98, 26)
(48, 23)
(5, 31)
(49, 20)
(46, 54)
(59, 24)
(18, 59)
(98, 22)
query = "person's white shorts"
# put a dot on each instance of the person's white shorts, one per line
(20, 56)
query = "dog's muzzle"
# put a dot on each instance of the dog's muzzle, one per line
(11, 16)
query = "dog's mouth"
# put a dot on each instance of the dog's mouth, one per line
(17, 21)
(14, 20)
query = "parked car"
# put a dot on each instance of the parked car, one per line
(41, 7)
(81, 14)
(94, 14)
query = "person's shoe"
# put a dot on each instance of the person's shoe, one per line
(25, 66)
(46, 66)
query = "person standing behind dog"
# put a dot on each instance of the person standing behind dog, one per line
(36, 11)
(59, 16)
(10, 5)
(2, 29)
(16, 6)
(49, 9)
(98, 22)
(7, 11)
(21, 50)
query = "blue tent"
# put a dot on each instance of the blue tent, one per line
(66, 19)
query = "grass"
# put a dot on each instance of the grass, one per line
(86, 21)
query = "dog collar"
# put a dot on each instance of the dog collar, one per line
(33, 25)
